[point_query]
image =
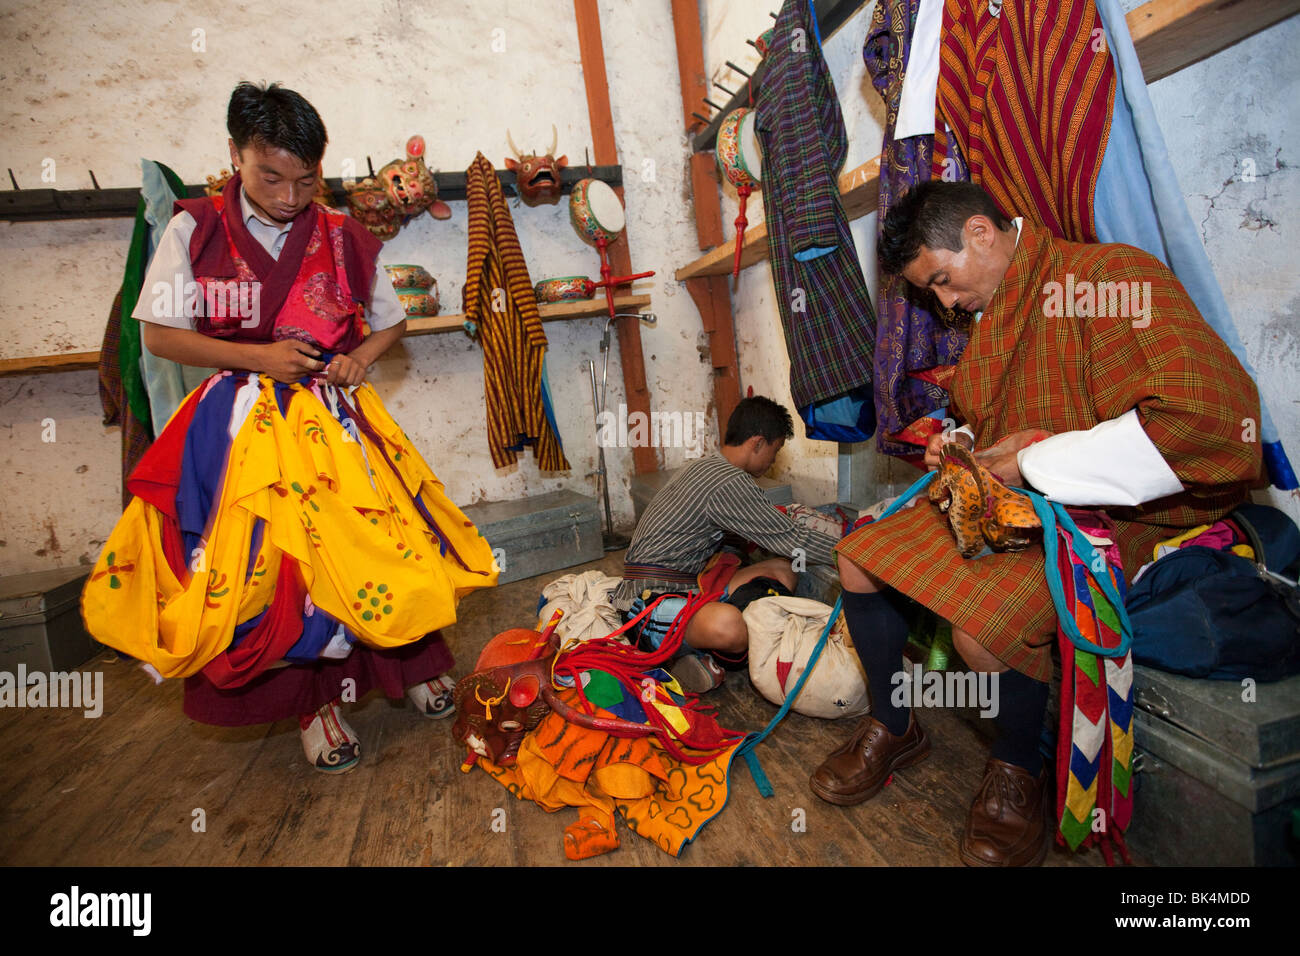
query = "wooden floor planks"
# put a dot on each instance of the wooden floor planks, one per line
(123, 789)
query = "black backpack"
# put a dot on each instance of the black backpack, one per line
(1207, 613)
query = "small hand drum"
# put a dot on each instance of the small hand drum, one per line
(739, 158)
(596, 212)
(564, 289)
(741, 162)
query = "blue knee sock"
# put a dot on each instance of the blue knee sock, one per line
(879, 633)
(1022, 703)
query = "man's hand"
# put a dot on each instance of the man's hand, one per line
(938, 440)
(344, 370)
(1001, 457)
(289, 360)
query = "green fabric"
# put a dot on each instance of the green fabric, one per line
(132, 285)
(1087, 663)
(1103, 609)
(1075, 831)
(1120, 776)
(128, 352)
(603, 690)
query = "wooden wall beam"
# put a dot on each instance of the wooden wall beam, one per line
(631, 357)
(711, 295)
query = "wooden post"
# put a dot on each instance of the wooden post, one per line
(710, 293)
(606, 153)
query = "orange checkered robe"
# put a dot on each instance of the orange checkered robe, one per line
(1024, 370)
(499, 299)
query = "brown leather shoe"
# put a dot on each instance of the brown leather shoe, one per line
(857, 770)
(1007, 823)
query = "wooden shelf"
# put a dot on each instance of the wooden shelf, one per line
(1171, 34)
(37, 205)
(1167, 34)
(550, 312)
(63, 362)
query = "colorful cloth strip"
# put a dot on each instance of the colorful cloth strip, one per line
(1094, 759)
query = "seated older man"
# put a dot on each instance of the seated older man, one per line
(1150, 416)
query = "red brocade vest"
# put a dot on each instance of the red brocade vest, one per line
(315, 292)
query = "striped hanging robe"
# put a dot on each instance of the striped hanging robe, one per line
(500, 302)
(1027, 97)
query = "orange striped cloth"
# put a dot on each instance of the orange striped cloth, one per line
(1027, 96)
(499, 300)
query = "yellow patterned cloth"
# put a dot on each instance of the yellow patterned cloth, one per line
(664, 800)
(332, 501)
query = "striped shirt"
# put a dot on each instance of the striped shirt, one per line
(686, 522)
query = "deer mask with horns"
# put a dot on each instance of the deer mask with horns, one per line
(537, 176)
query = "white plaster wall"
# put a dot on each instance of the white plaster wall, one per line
(1239, 104)
(376, 78)
(431, 69)
(1220, 116)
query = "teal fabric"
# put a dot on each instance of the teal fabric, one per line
(1051, 513)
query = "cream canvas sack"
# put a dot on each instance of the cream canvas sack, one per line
(585, 600)
(782, 634)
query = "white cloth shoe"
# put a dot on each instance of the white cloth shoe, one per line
(433, 698)
(330, 744)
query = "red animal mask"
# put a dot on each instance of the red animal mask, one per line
(536, 176)
(510, 692)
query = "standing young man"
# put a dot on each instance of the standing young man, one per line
(287, 547)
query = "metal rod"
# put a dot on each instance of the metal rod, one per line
(752, 43)
(702, 119)
(604, 472)
(714, 105)
(601, 473)
(724, 89)
(612, 542)
(93, 180)
(738, 69)
(12, 180)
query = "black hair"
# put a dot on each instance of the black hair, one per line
(932, 214)
(760, 416)
(275, 118)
